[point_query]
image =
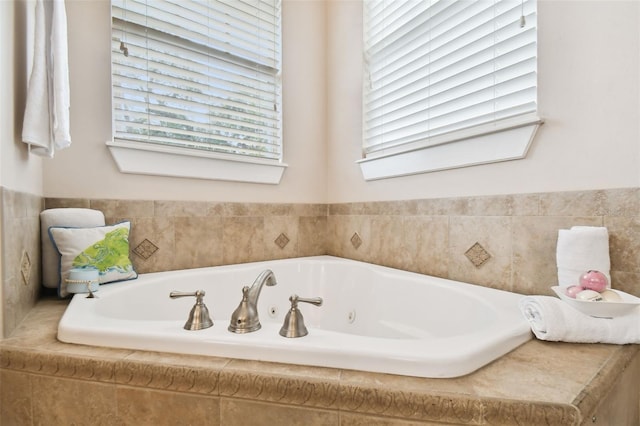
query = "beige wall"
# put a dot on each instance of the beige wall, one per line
(589, 95)
(6, 25)
(18, 170)
(87, 169)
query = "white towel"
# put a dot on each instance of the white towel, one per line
(552, 319)
(60, 67)
(580, 249)
(46, 118)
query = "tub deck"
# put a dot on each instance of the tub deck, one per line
(538, 383)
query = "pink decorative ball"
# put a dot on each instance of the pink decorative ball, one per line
(594, 280)
(571, 291)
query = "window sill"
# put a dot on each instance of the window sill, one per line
(505, 145)
(148, 159)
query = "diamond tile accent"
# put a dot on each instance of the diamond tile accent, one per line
(282, 240)
(477, 255)
(145, 249)
(356, 241)
(25, 267)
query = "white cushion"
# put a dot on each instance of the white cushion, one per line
(78, 218)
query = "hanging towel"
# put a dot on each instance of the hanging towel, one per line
(552, 319)
(46, 119)
(580, 249)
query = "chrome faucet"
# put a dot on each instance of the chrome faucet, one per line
(199, 317)
(266, 277)
(245, 318)
(294, 321)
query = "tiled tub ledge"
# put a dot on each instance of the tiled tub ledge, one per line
(44, 381)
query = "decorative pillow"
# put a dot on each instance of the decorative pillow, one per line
(78, 218)
(105, 248)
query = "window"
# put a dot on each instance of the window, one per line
(196, 88)
(447, 83)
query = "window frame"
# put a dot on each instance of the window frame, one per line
(138, 157)
(503, 140)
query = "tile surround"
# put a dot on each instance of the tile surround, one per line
(21, 271)
(518, 231)
(427, 236)
(97, 410)
(15, 396)
(495, 234)
(242, 413)
(139, 406)
(75, 384)
(169, 235)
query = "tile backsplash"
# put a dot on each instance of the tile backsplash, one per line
(505, 241)
(21, 271)
(170, 235)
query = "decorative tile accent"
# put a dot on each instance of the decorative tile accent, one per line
(303, 391)
(57, 364)
(25, 267)
(477, 255)
(145, 249)
(282, 240)
(175, 378)
(356, 241)
(459, 410)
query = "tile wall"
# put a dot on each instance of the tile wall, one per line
(505, 241)
(20, 255)
(170, 235)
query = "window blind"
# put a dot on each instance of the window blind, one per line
(198, 74)
(438, 69)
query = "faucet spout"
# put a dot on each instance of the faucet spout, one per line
(266, 277)
(245, 318)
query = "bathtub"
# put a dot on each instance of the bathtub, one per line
(372, 318)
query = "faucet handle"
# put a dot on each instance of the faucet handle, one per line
(199, 294)
(199, 317)
(313, 300)
(294, 321)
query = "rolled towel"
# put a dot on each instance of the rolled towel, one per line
(553, 320)
(580, 249)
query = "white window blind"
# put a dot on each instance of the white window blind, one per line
(438, 70)
(201, 75)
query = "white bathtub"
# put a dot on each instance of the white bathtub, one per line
(373, 318)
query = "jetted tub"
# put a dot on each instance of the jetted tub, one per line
(373, 318)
